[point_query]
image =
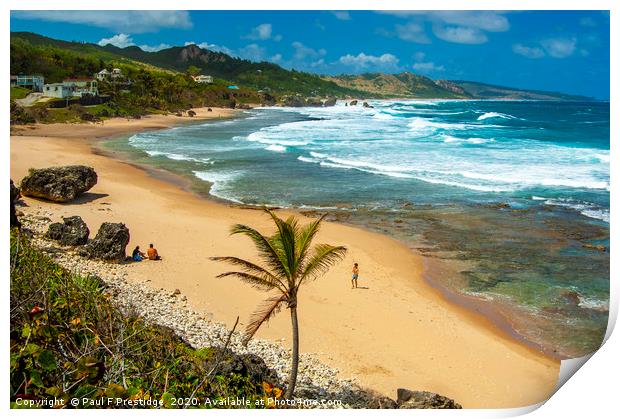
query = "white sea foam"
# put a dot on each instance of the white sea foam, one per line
(179, 157)
(593, 304)
(603, 158)
(495, 115)
(471, 140)
(585, 208)
(219, 181)
(276, 148)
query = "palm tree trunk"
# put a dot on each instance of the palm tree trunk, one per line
(292, 380)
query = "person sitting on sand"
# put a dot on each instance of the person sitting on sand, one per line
(356, 272)
(152, 253)
(137, 255)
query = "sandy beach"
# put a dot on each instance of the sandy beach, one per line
(396, 332)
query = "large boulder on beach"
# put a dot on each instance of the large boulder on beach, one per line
(226, 362)
(59, 184)
(109, 244)
(407, 399)
(14, 197)
(73, 231)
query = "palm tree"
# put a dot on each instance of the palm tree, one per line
(289, 261)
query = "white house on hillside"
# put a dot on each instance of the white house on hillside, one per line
(102, 75)
(105, 74)
(203, 79)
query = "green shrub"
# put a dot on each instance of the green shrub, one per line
(68, 339)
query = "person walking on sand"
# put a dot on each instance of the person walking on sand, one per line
(152, 253)
(356, 272)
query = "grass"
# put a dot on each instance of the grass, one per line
(69, 339)
(19, 92)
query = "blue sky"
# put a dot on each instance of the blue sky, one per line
(565, 51)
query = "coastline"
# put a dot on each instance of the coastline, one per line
(448, 349)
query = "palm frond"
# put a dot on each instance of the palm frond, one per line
(285, 239)
(253, 280)
(267, 251)
(253, 269)
(268, 309)
(304, 240)
(323, 257)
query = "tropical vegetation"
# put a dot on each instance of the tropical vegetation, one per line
(69, 339)
(288, 261)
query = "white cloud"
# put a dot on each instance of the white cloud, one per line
(252, 52)
(552, 47)
(412, 32)
(559, 47)
(484, 20)
(363, 61)
(464, 27)
(428, 67)
(276, 58)
(120, 40)
(302, 52)
(211, 47)
(154, 48)
(460, 34)
(125, 21)
(529, 52)
(341, 14)
(263, 32)
(490, 21)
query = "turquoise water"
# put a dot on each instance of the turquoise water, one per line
(514, 194)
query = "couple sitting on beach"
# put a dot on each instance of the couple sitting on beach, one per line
(151, 254)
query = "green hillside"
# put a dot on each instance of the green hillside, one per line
(488, 91)
(402, 85)
(257, 76)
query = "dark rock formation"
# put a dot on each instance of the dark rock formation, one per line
(293, 101)
(353, 103)
(314, 102)
(408, 399)
(14, 197)
(59, 184)
(109, 243)
(330, 102)
(73, 231)
(226, 362)
(366, 105)
(382, 402)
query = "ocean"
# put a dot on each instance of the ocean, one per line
(508, 201)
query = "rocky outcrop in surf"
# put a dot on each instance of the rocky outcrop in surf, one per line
(58, 184)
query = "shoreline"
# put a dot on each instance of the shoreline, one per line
(419, 287)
